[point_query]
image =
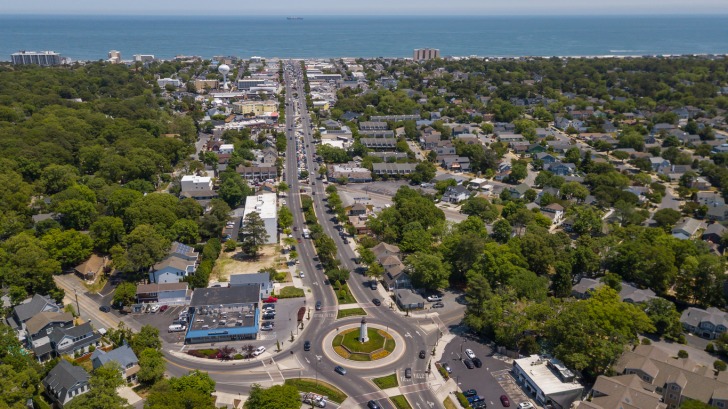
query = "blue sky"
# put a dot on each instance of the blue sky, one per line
(366, 7)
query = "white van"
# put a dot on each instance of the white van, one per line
(177, 328)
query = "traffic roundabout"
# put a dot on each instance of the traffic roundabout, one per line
(382, 346)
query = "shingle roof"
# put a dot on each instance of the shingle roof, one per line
(42, 319)
(37, 304)
(257, 278)
(123, 355)
(64, 376)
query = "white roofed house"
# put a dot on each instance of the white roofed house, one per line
(199, 188)
(549, 380)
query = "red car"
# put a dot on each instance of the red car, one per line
(504, 400)
(270, 300)
(163, 308)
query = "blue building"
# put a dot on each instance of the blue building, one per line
(223, 314)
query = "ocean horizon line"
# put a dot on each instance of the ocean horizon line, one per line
(383, 16)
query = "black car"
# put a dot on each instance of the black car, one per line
(470, 392)
(340, 369)
(269, 316)
(104, 308)
(307, 346)
(376, 302)
(373, 405)
(422, 354)
(477, 362)
(468, 363)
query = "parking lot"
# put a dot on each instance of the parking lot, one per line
(491, 381)
(285, 323)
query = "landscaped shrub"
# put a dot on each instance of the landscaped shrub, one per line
(462, 399)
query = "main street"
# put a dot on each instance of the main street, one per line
(292, 361)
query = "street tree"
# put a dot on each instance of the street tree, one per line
(285, 217)
(124, 294)
(253, 234)
(275, 397)
(151, 366)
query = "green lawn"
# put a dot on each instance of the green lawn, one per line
(351, 341)
(291, 292)
(349, 312)
(386, 382)
(322, 388)
(449, 404)
(344, 295)
(400, 402)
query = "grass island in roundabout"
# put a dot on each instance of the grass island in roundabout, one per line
(379, 345)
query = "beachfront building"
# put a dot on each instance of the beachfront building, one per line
(42, 58)
(424, 54)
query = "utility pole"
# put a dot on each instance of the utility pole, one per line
(78, 306)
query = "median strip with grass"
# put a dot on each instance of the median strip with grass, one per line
(400, 402)
(350, 312)
(333, 393)
(386, 382)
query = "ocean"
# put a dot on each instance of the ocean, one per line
(91, 37)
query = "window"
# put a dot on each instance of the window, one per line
(720, 404)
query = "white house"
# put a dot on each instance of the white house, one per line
(259, 279)
(265, 205)
(191, 183)
(548, 380)
(227, 148)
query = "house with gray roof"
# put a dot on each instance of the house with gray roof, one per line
(262, 280)
(714, 233)
(518, 191)
(717, 213)
(708, 323)
(676, 379)
(407, 299)
(455, 194)
(65, 382)
(629, 293)
(31, 307)
(124, 356)
(393, 168)
(621, 392)
(687, 228)
(710, 199)
(43, 323)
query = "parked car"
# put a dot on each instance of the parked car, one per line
(176, 328)
(408, 373)
(468, 363)
(525, 405)
(422, 354)
(505, 401)
(154, 308)
(270, 300)
(307, 346)
(258, 350)
(446, 367)
(373, 284)
(104, 308)
(470, 392)
(470, 354)
(268, 326)
(376, 302)
(477, 362)
(474, 399)
(340, 369)
(269, 316)
(300, 274)
(163, 308)
(438, 305)
(433, 298)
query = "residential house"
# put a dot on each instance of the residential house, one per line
(351, 172)
(686, 229)
(171, 270)
(65, 382)
(357, 209)
(373, 126)
(546, 157)
(659, 163)
(621, 392)
(710, 199)
(257, 173)
(92, 268)
(455, 194)
(44, 323)
(68, 340)
(676, 379)
(700, 183)
(30, 308)
(263, 280)
(714, 233)
(561, 169)
(382, 250)
(708, 323)
(429, 142)
(379, 143)
(393, 168)
(518, 191)
(555, 212)
(717, 213)
(628, 293)
(123, 355)
(360, 224)
(163, 293)
(407, 299)
(455, 163)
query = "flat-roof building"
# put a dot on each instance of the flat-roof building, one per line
(265, 205)
(42, 58)
(549, 380)
(221, 314)
(424, 54)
